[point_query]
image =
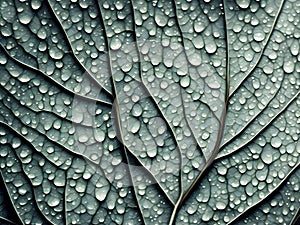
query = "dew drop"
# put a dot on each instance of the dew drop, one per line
(244, 4)
(35, 4)
(185, 81)
(152, 151)
(99, 135)
(256, 84)
(115, 43)
(52, 201)
(276, 142)
(199, 26)
(161, 20)
(134, 126)
(211, 47)
(83, 138)
(220, 205)
(101, 192)
(137, 110)
(295, 48)
(259, 36)
(25, 18)
(267, 155)
(289, 66)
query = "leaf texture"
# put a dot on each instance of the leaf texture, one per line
(149, 112)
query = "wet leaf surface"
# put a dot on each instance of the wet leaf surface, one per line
(149, 112)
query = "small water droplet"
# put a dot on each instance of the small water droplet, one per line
(101, 192)
(53, 201)
(137, 110)
(25, 18)
(267, 155)
(289, 66)
(259, 35)
(161, 19)
(211, 47)
(244, 4)
(276, 142)
(185, 81)
(115, 43)
(220, 205)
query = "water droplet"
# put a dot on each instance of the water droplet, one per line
(22, 191)
(198, 42)
(220, 205)
(222, 170)
(55, 53)
(289, 66)
(295, 48)
(42, 33)
(276, 142)
(213, 83)
(244, 4)
(199, 26)
(259, 35)
(101, 192)
(53, 201)
(80, 186)
(161, 19)
(267, 155)
(185, 81)
(151, 151)
(16, 143)
(36, 4)
(211, 47)
(192, 209)
(134, 126)
(268, 69)
(137, 110)
(115, 43)
(83, 138)
(256, 84)
(207, 215)
(163, 84)
(99, 135)
(25, 18)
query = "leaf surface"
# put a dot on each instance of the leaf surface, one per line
(149, 112)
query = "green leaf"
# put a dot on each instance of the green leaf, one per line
(149, 112)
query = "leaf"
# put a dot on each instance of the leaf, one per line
(149, 112)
